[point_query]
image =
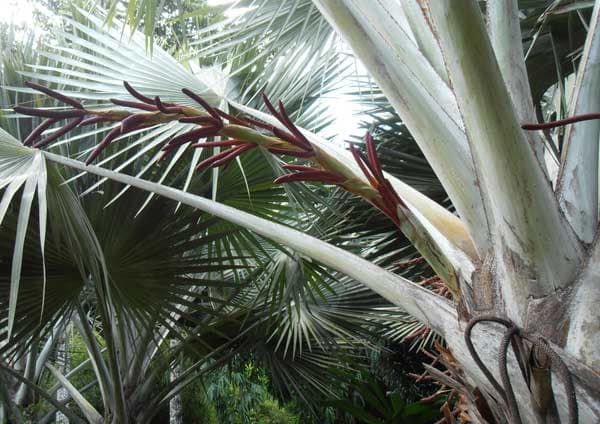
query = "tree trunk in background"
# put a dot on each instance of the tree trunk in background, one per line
(175, 404)
(62, 360)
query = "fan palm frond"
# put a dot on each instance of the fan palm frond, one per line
(22, 167)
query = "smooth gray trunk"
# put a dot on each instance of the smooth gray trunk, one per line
(175, 404)
(63, 361)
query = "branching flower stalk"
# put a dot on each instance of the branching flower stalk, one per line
(154, 112)
(240, 135)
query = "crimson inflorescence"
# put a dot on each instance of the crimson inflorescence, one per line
(302, 147)
(561, 122)
(152, 111)
(149, 110)
(371, 168)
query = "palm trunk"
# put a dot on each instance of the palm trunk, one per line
(530, 252)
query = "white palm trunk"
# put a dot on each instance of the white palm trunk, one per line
(532, 266)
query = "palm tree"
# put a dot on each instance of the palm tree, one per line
(518, 256)
(299, 343)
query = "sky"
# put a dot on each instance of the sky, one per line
(17, 11)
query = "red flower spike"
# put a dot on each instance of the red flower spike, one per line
(112, 134)
(133, 122)
(37, 131)
(293, 128)
(134, 105)
(94, 120)
(59, 133)
(284, 135)
(393, 194)
(372, 155)
(388, 199)
(199, 120)
(166, 108)
(54, 94)
(49, 113)
(236, 152)
(371, 168)
(232, 119)
(211, 111)
(191, 136)
(214, 158)
(362, 163)
(137, 94)
(270, 107)
(280, 133)
(293, 153)
(219, 143)
(296, 137)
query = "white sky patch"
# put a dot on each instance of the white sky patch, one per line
(236, 12)
(232, 12)
(17, 11)
(346, 116)
(344, 107)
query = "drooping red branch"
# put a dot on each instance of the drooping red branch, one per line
(133, 105)
(147, 112)
(562, 122)
(144, 112)
(226, 156)
(58, 133)
(296, 137)
(49, 113)
(54, 94)
(137, 94)
(299, 146)
(211, 111)
(191, 136)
